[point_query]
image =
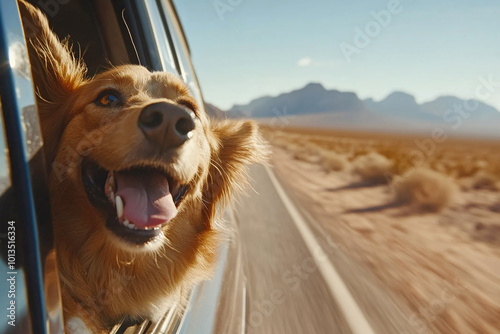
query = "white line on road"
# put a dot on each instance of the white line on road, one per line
(352, 313)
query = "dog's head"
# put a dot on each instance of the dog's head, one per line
(135, 150)
(134, 161)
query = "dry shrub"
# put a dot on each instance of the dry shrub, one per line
(495, 168)
(373, 167)
(360, 152)
(391, 152)
(332, 161)
(303, 155)
(424, 189)
(308, 153)
(484, 180)
(290, 147)
(439, 166)
(465, 169)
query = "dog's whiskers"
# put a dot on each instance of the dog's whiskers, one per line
(120, 262)
(131, 39)
(168, 244)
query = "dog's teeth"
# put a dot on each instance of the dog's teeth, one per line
(111, 196)
(129, 225)
(110, 187)
(110, 183)
(119, 207)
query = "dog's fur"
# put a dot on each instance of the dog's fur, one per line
(102, 278)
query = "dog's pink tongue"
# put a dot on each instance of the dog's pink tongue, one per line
(146, 197)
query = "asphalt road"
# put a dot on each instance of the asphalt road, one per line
(288, 288)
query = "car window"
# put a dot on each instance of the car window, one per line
(110, 33)
(142, 30)
(26, 246)
(161, 38)
(5, 181)
(181, 50)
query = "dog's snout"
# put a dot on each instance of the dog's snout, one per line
(166, 124)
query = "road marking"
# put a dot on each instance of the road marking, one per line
(352, 313)
(232, 218)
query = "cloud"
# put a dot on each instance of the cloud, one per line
(306, 61)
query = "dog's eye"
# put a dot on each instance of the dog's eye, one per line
(109, 98)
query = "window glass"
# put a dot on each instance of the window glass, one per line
(4, 159)
(185, 67)
(161, 37)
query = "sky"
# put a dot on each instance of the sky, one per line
(244, 49)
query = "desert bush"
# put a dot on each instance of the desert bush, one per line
(465, 168)
(308, 153)
(495, 168)
(484, 180)
(360, 152)
(373, 167)
(424, 189)
(332, 161)
(303, 155)
(391, 152)
(291, 147)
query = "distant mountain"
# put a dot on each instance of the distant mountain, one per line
(311, 99)
(477, 110)
(399, 110)
(399, 104)
(403, 105)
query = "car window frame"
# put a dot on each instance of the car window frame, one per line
(36, 275)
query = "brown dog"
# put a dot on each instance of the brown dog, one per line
(137, 175)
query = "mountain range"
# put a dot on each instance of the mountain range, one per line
(315, 106)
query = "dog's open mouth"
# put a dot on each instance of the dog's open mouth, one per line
(138, 200)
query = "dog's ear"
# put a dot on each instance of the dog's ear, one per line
(239, 143)
(56, 74)
(57, 71)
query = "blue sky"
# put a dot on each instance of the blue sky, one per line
(250, 48)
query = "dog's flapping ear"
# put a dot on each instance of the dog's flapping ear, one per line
(52, 62)
(56, 73)
(239, 144)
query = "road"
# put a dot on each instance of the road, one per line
(292, 285)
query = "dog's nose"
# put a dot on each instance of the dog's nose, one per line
(166, 124)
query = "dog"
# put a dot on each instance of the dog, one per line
(138, 175)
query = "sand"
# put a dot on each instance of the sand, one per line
(445, 265)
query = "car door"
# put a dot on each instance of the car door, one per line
(29, 287)
(145, 32)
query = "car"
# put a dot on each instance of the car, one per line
(105, 33)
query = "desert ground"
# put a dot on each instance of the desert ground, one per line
(422, 214)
